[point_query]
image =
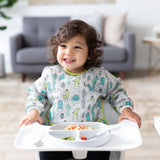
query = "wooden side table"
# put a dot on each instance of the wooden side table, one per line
(153, 44)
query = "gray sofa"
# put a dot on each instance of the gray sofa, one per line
(29, 52)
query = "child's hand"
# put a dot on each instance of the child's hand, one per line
(32, 116)
(127, 113)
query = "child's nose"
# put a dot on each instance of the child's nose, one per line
(69, 51)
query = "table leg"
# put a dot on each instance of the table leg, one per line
(156, 66)
(150, 59)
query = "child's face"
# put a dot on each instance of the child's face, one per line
(73, 54)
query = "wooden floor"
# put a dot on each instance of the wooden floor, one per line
(150, 150)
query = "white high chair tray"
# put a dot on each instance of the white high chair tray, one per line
(122, 136)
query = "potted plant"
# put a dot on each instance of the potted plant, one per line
(5, 4)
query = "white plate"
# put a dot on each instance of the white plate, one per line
(97, 141)
(94, 125)
(57, 133)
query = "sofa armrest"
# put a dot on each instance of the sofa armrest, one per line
(16, 43)
(129, 42)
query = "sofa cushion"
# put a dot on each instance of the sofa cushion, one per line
(113, 54)
(38, 30)
(32, 55)
(96, 20)
(114, 26)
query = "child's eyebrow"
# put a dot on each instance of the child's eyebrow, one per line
(81, 43)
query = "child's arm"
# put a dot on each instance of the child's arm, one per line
(119, 99)
(36, 101)
(32, 116)
(127, 113)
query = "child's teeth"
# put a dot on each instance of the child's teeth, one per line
(68, 60)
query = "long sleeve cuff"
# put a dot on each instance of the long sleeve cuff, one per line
(127, 106)
(33, 108)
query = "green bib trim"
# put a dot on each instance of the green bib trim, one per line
(104, 118)
(74, 74)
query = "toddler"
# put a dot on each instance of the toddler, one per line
(73, 88)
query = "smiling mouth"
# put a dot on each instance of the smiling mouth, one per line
(68, 60)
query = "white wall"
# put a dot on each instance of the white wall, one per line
(142, 16)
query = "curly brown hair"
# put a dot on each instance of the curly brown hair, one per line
(72, 29)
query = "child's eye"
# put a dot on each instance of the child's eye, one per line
(77, 47)
(62, 46)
